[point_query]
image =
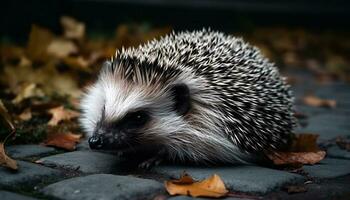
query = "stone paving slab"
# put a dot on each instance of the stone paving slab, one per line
(329, 168)
(28, 174)
(84, 161)
(336, 152)
(28, 150)
(5, 195)
(237, 178)
(104, 186)
(327, 125)
(192, 198)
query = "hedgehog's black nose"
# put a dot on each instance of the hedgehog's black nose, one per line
(95, 142)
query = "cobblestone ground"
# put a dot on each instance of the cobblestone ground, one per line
(46, 173)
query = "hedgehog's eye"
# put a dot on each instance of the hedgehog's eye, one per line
(135, 120)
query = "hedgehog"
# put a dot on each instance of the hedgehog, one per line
(203, 97)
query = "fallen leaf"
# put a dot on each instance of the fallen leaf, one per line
(295, 189)
(61, 48)
(25, 91)
(304, 142)
(39, 40)
(60, 114)
(303, 150)
(293, 158)
(5, 116)
(66, 141)
(25, 115)
(211, 187)
(314, 101)
(72, 28)
(343, 143)
(5, 160)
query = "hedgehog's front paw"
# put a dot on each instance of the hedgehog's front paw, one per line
(151, 162)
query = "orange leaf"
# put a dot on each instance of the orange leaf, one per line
(63, 140)
(60, 113)
(210, 187)
(314, 101)
(5, 160)
(292, 158)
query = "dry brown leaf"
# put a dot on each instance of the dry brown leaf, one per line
(303, 150)
(293, 158)
(5, 116)
(50, 80)
(60, 114)
(5, 160)
(25, 115)
(66, 141)
(39, 40)
(304, 142)
(210, 187)
(296, 189)
(73, 29)
(78, 62)
(61, 48)
(314, 101)
(25, 91)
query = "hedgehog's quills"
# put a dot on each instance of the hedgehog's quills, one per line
(201, 96)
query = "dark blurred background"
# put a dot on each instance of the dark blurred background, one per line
(225, 15)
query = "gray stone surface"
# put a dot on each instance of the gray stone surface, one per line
(336, 152)
(5, 195)
(328, 125)
(28, 174)
(202, 198)
(29, 150)
(104, 186)
(238, 178)
(329, 168)
(84, 161)
(83, 145)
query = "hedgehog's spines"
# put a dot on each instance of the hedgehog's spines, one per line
(240, 102)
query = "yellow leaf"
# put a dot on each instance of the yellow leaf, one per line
(211, 187)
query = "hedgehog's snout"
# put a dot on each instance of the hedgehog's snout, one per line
(96, 142)
(107, 139)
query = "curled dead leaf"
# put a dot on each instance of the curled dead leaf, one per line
(66, 141)
(5, 160)
(5, 116)
(293, 158)
(314, 101)
(60, 114)
(210, 187)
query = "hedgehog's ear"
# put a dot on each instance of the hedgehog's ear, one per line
(181, 96)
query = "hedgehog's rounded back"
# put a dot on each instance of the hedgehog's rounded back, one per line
(209, 97)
